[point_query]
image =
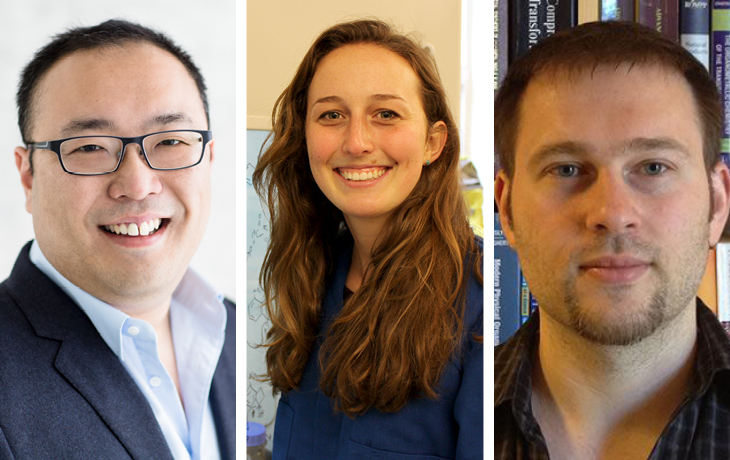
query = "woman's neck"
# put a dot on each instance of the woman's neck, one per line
(366, 234)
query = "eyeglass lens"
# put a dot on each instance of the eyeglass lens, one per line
(174, 150)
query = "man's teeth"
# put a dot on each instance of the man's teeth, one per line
(132, 229)
(363, 175)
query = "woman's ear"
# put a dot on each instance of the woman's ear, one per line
(437, 135)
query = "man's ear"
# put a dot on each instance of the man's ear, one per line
(720, 183)
(437, 135)
(211, 146)
(22, 162)
(502, 190)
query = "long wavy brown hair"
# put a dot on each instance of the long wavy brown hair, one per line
(397, 332)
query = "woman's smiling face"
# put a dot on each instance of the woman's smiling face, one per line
(367, 133)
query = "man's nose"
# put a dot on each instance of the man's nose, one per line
(134, 179)
(611, 204)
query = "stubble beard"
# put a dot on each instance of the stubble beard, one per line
(677, 281)
(676, 287)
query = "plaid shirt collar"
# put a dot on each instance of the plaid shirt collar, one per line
(522, 439)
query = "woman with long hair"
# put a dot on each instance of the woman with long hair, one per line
(372, 278)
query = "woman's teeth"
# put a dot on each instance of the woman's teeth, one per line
(362, 175)
(132, 229)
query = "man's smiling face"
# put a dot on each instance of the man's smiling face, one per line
(126, 91)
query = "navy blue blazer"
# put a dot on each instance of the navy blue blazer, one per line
(65, 395)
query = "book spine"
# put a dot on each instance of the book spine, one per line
(721, 62)
(533, 303)
(694, 29)
(506, 287)
(501, 41)
(533, 20)
(617, 10)
(723, 284)
(524, 300)
(660, 15)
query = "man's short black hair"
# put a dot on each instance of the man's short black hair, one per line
(110, 33)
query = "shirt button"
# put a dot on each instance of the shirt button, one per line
(133, 330)
(155, 382)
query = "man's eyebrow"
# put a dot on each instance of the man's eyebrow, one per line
(578, 149)
(79, 125)
(168, 118)
(657, 143)
(567, 148)
(104, 126)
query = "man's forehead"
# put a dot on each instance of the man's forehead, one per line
(99, 86)
(566, 75)
(573, 109)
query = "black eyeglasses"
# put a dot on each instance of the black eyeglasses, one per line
(97, 155)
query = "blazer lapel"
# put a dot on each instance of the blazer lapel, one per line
(87, 362)
(223, 390)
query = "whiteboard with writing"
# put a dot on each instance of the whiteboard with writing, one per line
(260, 403)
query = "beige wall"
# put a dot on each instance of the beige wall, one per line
(279, 33)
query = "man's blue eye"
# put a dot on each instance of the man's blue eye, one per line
(566, 170)
(654, 169)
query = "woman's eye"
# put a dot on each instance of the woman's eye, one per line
(330, 116)
(387, 114)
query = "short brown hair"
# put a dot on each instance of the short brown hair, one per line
(597, 44)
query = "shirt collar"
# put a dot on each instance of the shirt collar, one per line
(513, 363)
(713, 351)
(193, 295)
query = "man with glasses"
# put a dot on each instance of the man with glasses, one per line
(110, 346)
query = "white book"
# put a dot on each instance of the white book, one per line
(723, 281)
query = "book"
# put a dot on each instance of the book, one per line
(617, 10)
(501, 50)
(507, 289)
(528, 303)
(694, 29)
(532, 20)
(722, 254)
(720, 53)
(660, 15)
(524, 300)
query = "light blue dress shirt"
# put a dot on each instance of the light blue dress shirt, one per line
(198, 322)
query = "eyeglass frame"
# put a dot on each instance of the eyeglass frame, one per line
(55, 147)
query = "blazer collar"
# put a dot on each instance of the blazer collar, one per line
(86, 361)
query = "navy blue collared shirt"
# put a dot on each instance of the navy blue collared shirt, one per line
(449, 427)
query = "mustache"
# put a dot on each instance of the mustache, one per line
(616, 245)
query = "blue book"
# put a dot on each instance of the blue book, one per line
(721, 53)
(617, 10)
(694, 29)
(507, 287)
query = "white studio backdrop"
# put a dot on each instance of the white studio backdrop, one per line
(206, 30)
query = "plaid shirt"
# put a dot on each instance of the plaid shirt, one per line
(699, 429)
